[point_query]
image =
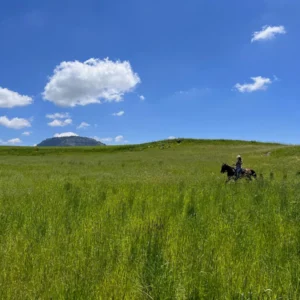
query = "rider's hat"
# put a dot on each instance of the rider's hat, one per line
(238, 156)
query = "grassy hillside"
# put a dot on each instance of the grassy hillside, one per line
(152, 221)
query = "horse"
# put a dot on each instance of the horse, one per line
(246, 173)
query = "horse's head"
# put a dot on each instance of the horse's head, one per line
(223, 168)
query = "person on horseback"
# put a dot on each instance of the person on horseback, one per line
(238, 166)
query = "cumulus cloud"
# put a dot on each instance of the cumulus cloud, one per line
(9, 99)
(142, 97)
(27, 133)
(15, 123)
(119, 114)
(81, 83)
(119, 138)
(83, 125)
(60, 123)
(268, 33)
(58, 116)
(64, 134)
(171, 137)
(260, 83)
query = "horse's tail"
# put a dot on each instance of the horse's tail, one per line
(253, 173)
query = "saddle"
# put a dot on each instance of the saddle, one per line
(242, 170)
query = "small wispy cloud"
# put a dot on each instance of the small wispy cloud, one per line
(268, 33)
(58, 116)
(14, 141)
(171, 137)
(192, 93)
(15, 123)
(27, 133)
(142, 98)
(11, 142)
(83, 125)
(119, 114)
(117, 139)
(60, 123)
(103, 140)
(259, 83)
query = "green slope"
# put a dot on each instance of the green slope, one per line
(151, 221)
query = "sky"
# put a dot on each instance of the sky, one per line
(138, 70)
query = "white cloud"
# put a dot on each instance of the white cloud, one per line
(76, 83)
(187, 92)
(58, 116)
(14, 141)
(83, 125)
(171, 138)
(10, 142)
(142, 97)
(27, 133)
(268, 33)
(119, 138)
(15, 123)
(119, 114)
(9, 99)
(60, 123)
(260, 83)
(64, 134)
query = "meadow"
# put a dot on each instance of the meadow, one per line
(152, 221)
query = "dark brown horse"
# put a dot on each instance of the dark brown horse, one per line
(246, 173)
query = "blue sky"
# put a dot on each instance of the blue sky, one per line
(138, 70)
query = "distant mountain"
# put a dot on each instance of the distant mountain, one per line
(70, 141)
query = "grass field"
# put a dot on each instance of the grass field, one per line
(152, 221)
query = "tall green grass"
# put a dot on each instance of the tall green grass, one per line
(154, 223)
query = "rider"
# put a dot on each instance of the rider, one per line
(238, 166)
